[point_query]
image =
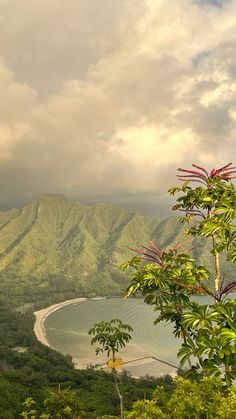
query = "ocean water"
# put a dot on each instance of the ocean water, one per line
(67, 331)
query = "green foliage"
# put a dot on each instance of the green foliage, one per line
(30, 369)
(213, 339)
(56, 249)
(146, 409)
(167, 284)
(168, 278)
(111, 336)
(75, 244)
(60, 404)
(64, 249)
(216, 205)
(63, 404)
(30, 412)
(202, 399)
(108, 417)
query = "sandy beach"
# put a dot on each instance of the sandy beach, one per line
(41, 315)
(40, 333)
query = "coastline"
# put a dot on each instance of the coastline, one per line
(40, 333)
(41, 315)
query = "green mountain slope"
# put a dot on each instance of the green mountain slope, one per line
(55, 248)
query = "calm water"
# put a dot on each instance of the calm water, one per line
(67, 331)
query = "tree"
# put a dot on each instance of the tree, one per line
(145, 409)
(63, 404)
(167, 278)
(207, 398)
(111, 336)
(60, 404)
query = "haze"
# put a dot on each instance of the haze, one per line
(101, 100)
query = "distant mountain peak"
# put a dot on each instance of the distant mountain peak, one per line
(64, 245)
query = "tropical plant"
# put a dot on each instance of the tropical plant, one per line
(206, 398)
(111, 336)
(60, 404)
(168, 278)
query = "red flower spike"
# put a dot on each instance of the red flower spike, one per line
(226, 167)
(213, 172)
(188, 176)
(155, 257)
(226, 172)
(191, 172)
(201, 168)
(154, 254)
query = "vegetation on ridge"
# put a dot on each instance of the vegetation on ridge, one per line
(166, 278)
(62, 249)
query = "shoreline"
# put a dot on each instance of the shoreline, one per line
(41, 315)
(40, 333)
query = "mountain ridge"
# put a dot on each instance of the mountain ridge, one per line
(55, 248)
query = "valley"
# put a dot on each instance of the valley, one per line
(59, 249)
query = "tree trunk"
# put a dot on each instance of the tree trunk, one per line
(117, 388)
(217, 279)
(119, 393)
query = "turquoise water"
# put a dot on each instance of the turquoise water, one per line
(67, 331)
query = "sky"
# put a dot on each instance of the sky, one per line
(102, 100)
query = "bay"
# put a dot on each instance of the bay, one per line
(67, 329)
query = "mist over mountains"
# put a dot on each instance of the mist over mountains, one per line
(53, 246)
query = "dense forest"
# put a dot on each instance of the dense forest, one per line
(59, 249)
(38, 382)
(30, 369)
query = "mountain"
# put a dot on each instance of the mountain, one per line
(53, 248)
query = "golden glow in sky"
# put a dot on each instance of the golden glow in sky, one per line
(106, 98)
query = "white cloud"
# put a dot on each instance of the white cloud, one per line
(103, 98)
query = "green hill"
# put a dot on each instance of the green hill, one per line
(54, 248)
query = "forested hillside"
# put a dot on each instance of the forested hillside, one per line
(63, 249)
(50, 250)
(30, 369)
(53, 249)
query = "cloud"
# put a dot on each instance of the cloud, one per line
(104, 99)
(16, 102)
(216, 3)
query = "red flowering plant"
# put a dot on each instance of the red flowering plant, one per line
(211, 211)
(168, 278)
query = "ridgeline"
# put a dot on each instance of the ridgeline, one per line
(53, 249)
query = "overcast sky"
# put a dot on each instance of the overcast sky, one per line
(104, 99)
